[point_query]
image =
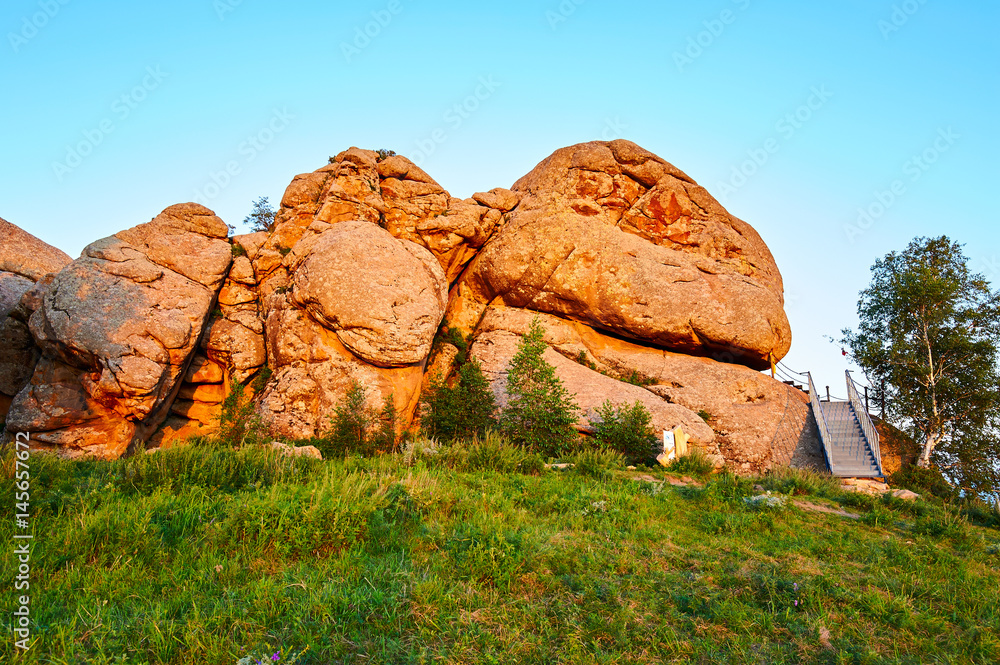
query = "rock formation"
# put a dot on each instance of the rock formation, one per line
(25, 261)
(647, 288)
(117, 329)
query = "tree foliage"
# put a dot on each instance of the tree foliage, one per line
(540, 412)
(261, 218)
(360, 429)
(928, 337)
(462, 411)
(627, 429)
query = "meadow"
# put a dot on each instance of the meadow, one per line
(479, 553)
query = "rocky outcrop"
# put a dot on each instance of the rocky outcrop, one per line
(24, 262)
(750, 419)
(23, 254)
(647, 288)
(117, 329)
(358, 306)
(611, 235)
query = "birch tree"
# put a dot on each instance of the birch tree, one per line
(928, 336)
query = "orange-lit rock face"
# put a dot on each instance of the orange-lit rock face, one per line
(117, 328)
(611, 235)
(313, 371)
(25, 264)
(626, 259)
(757, 422)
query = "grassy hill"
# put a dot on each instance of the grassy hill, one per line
(475, 554)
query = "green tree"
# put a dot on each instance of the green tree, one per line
(463, 411)
(540, 412)
(627, 429)
(261, 218)
(928, 336)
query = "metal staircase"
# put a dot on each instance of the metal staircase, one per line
(850, 440)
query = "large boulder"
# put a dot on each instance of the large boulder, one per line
(758, 422)
(608, 234)
(23, 254)
(24, 262)
(117, 329)
(356, 306)
(383, 297)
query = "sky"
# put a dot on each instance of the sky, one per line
(839, 130)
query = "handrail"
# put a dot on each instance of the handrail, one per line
(824, 430)
(866, 421)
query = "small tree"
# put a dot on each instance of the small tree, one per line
(626, 429)
(261, 218)
(928, 333)
(351, 421)
(239, 424)
(540, 412)
(461, 412)
(386, 435)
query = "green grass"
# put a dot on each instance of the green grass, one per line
(478, 555)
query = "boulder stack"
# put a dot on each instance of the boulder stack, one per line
(647, 288)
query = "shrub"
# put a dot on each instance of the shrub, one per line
(540, 412)
(239, 424)
(694, 463)
(466, 410)
(384, 154)
(625, 429)
(800, 481)
(261, 218)
(597, 463)
(923, 480)
(386, 435)
(491, 452)
(359, 429)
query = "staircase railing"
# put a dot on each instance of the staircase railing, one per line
(824, 430)
(866, 422)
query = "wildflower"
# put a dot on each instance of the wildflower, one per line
(276, 656)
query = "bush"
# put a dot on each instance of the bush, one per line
(461, 412)
(239, 424)
(491, 452)
(800, 481)
(923, 480)
(694, 463)
(540, 412)
(357, 428)
(597, 463)
(625, 429)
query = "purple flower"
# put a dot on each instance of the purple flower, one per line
(276, 656)
(796, 603)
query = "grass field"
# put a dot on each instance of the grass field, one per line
(206, 555)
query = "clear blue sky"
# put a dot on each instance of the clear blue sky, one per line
(829, 101)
